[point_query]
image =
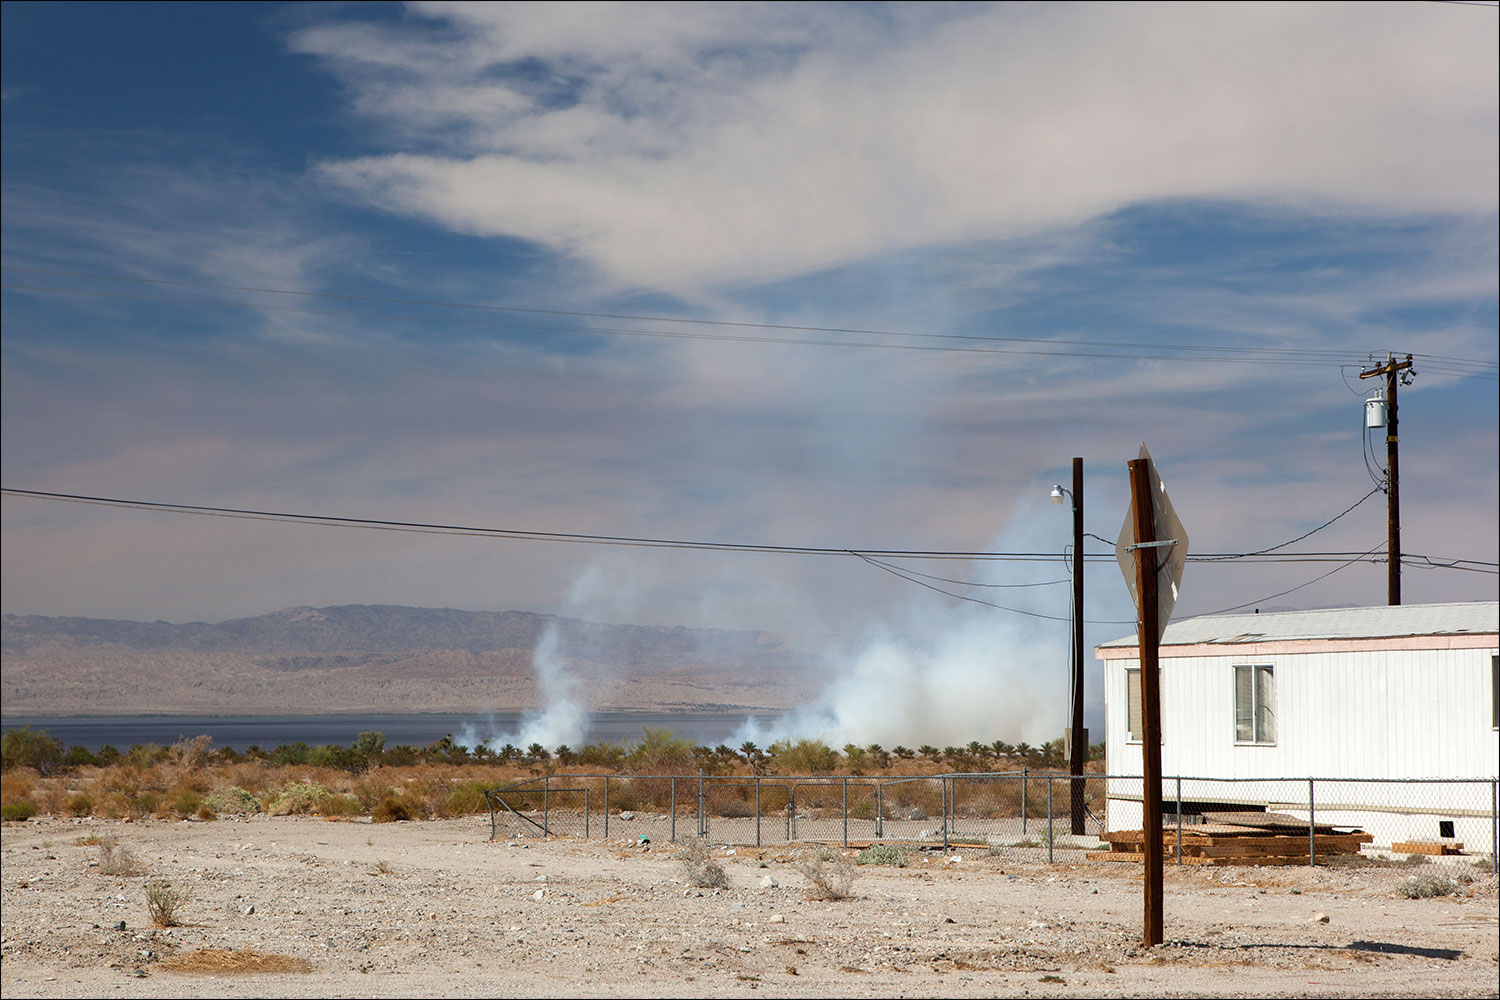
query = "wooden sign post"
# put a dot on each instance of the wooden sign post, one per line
(1150, 637)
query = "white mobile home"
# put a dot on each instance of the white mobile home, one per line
(1259, 704)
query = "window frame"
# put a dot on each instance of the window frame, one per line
(1262, 710)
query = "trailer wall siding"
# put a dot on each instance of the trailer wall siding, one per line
(1367, 714)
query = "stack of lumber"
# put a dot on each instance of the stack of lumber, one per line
(1257, 839)
(1437, 848)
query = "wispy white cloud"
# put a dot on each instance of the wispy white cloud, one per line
(687, 148)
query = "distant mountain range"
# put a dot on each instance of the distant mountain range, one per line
(384, 658)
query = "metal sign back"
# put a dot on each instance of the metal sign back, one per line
(1170, 549)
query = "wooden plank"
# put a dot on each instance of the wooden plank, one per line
(1129, 839)
(1433, 847)
(1171, 858)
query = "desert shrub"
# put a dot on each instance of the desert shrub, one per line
(17, 812)
(232, 800)
(402, 755)
(80, 756)
(610, 755)
(467, 797)
(186, 802)
(163, 901)
(734, 807)
(33, 748)
(297, 798)
(660, 752)
(426, 795)
(337, 805)
(291, 753)
(142, 756)
(14, 787)
(343, 758)
(700, 869)
(623, 794)
(883, 854)
(828, 880)
(191, 753)
(396, 809)
(370, 793)
(1427, 885)
(654, 793)
(370, 742)
(116, 859)
(79, 804)
(803, 756)
(142, 804)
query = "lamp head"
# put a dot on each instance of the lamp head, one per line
(1057, 494)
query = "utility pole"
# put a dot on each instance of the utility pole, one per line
(1149, 627)
(1080, 739)
(1391, 370)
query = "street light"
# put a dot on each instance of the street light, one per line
(1078, 736)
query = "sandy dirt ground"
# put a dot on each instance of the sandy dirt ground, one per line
(437, 909)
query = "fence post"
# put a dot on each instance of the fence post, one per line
(1312, 831)
(879, 811)
(606, 807)
(846, 813)
(1179, 820)
(1049, 821)
(757, 810)
(948, 791)
(702, 819)
(585, 814)
(1023, 800)
(673, 779)
(1494, 826)
(546, 790)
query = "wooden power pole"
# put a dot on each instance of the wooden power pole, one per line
(1391, 370)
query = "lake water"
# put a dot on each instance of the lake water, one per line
(270, 731)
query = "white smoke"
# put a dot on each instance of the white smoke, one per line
(563, 719)
(960, 672)
(940, 671)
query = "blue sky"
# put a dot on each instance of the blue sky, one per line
(1096, 225)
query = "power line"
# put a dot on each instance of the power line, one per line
(1299, 538)
(1182, 352)
(896, 571)
(717, 338)
(1299, 586)
(418, 527)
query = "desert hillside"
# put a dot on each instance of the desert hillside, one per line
(364, 658)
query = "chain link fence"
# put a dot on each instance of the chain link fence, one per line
(1025, 815)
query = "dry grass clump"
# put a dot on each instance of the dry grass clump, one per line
(1430, 884)
(700, 869)
(116, 859)
(162, 903)
(829, 880)
(222, 961)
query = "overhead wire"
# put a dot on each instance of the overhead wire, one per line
(895, 571)
(418, 527)
(922, 340)
(1299, 538)
(1262, 600)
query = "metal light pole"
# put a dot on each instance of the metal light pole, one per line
(1078, 736)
